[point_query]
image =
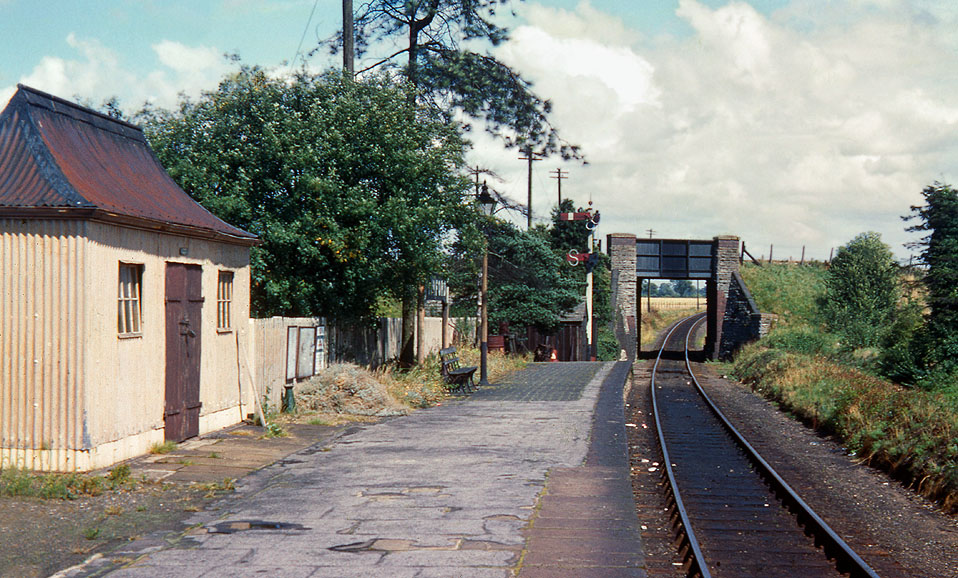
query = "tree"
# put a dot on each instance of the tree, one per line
(568, 235)
(526, 280)
(935, 348)
(527, 286)
(862, 291)
(664, 290)
(436, 38)
(351, 188)
(565, 236)
(683, 288)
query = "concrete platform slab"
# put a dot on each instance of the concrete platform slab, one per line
(467, 489)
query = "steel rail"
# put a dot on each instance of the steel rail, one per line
(835, 548)
(693, 557)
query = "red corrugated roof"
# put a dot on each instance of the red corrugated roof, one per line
(57, 155)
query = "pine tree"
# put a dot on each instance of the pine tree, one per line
(936, 345)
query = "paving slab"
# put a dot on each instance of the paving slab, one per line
(452, 490)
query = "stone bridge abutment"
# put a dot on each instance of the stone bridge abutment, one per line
(732, 317)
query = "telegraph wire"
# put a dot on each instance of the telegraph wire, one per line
(303, 38)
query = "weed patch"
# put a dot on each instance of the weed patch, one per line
(162, 448)
(274, 430)
(214, 489)
(15, 482)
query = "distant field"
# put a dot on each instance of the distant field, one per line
(673, 303)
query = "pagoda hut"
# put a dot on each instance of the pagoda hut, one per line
(124, 304)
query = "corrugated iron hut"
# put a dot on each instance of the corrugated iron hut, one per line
(123, 303)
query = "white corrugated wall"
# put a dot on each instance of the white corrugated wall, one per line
(41, 329)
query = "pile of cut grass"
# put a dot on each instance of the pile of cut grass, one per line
(350, 390)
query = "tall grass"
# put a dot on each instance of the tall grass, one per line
(790, 291)
(423, 385)
(912, 434)
(655, 321)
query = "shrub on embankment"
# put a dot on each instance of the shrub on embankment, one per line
(911, 433)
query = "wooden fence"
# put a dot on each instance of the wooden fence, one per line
(284, 349)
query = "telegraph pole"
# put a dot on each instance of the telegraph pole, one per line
(349, 48)
(476, 171)
(559, 177)
(531, 157)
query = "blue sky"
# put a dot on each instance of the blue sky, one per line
(262, 32)
(787, 122)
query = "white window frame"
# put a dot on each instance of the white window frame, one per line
(224, 301)
(129, 318)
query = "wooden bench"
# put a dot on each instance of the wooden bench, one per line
(458, 378)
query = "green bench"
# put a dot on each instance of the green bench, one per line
(458, 378)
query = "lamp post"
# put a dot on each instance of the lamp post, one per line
(488, 205)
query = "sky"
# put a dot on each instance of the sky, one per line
(789, 123)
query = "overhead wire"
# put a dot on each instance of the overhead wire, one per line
(302, 39)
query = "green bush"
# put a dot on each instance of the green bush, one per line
(862, 292)
(801, 339)
(607, 346)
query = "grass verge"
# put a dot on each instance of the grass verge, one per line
(912, 434)
(15, 482)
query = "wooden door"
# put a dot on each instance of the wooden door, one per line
(184, 310)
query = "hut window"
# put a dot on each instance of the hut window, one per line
(224, 301)
(129, 309)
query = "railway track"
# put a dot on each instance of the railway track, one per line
(732, 514)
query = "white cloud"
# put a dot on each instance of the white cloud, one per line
(587, 62)
(96, 72)
(803, 128)
(5, 94)
(186, 70)
(585, 23)
(187, 59)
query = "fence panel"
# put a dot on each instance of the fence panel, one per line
(368, 346)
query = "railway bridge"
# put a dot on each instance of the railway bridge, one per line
(732, 316)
